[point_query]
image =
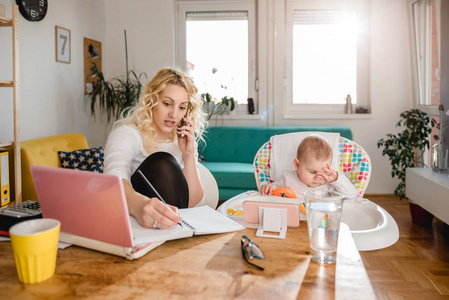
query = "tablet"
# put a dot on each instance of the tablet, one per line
(251, 211)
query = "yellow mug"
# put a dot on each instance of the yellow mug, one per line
(35, 245)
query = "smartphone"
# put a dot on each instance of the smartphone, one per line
(182, 123)
(251, 211)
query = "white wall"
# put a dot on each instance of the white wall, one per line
(52, 93)
(391, 86)
(149, 27)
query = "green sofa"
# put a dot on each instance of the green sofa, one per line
(229, 152)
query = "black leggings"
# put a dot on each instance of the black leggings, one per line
(166, 176)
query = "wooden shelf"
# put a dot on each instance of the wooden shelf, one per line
(5, 83)
(16, 176)
(5, 21)
(6, 144)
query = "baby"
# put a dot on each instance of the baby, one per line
(312, 171)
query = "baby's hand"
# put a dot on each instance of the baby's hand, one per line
(266, 189)
(329, 174)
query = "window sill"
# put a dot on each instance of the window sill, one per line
(239, 117)
(328, 116)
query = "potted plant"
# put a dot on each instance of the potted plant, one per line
(405, 150)
(217, 107)
(114, 96)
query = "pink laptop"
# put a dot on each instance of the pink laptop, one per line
(91, 208)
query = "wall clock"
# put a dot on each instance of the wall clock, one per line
(33, 10)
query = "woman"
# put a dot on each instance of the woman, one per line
(151, 138)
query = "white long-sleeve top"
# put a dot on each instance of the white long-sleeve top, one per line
(124, 152)
(290, 180)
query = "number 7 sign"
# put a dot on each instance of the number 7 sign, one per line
(62, 44)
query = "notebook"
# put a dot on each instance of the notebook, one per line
(93, 213)
(195, 221)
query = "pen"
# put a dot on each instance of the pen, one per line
(153, 189)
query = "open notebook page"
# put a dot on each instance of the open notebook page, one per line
(206, 220)
(142, 235)
(203, 219)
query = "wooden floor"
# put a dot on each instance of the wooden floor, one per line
(417, 266)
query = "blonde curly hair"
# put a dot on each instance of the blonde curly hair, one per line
(141, 115)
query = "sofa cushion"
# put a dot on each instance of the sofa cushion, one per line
(232, 175)
(44, 152)
(228, 193)
(83, 159)
(240, 144)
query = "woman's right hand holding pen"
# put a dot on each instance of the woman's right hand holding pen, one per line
(150, 212)
(155, 212)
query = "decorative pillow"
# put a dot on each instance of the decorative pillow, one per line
(83, 159)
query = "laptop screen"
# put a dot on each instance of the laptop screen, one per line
(87, 204)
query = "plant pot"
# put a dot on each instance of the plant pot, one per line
(420, 216)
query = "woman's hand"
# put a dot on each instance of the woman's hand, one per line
(186, 143)
(186, 138)
(150, 212)
(155, 214)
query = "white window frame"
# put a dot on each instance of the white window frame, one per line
(203, 6)
(422, 69)
(291, 110)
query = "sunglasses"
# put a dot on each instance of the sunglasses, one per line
(250, 250)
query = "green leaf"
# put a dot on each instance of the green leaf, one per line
(401, 148)
(116, 95)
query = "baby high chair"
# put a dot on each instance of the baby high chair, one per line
(371, 226)
(352, 161)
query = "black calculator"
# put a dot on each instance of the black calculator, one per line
(19, 212)
(24, 209)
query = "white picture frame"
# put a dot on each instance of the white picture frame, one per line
(62, 45)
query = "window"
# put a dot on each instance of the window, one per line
(217, 48)
(217, 67)
(326, 57)
(427, 57)
(314, 33)
(425, 27)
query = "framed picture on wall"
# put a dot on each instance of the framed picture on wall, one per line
(92, 63)
(62, 41)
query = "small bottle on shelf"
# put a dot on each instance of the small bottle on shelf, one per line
(348, 107)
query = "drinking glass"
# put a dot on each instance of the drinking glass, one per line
(323, 222)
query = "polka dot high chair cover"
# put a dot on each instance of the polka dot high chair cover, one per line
(354, 163)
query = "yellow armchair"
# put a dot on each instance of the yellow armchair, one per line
(44, 152)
